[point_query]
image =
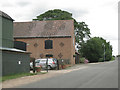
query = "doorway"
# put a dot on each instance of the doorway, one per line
(49, 56)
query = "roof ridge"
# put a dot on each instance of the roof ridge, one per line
(2, 14)
(43, 21)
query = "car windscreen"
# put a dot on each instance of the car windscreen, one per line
(37, 61)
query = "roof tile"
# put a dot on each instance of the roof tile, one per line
(51, 28)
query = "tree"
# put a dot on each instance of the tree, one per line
(108, 50)
(81, 29)
(93, 50)
(55, 14)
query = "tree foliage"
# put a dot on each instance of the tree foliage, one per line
(93, 50)
(55, 14)
(81, 29)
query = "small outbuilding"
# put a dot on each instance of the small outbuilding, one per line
(12, 61)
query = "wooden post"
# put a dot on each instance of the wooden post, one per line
(47, 64)
(33, 66)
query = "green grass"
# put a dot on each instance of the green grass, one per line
(113, 58)
(4, 78)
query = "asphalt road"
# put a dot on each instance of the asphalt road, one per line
(102, 75)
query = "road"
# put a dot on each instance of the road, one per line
(96, 75)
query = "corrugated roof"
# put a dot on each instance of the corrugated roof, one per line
(13, 50)
(51, 28)
(2, 14)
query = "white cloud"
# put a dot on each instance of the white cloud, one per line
(100, 15)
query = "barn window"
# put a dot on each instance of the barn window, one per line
(48, 44)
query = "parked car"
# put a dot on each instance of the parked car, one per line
(52, 63)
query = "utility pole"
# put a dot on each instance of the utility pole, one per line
(104, 50)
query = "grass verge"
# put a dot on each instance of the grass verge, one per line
(4, 78)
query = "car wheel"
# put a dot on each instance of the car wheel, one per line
(49, 67)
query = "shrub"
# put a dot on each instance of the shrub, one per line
(101, 60)
(38, 67)
(113, 58)
(82, 60)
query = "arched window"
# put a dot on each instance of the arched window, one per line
(48, 44)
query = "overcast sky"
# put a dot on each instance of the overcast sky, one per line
(101, 16)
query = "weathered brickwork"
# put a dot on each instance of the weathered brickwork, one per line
(63, 46)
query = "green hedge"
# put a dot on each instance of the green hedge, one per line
(82, 60)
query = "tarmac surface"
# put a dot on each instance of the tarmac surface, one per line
(92, 75)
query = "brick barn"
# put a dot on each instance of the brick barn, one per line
(53, 38)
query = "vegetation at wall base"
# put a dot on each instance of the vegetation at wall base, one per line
(82, 60)
(38, 67)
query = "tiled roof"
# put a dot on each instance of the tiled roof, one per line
(51, 28)
(2, 14)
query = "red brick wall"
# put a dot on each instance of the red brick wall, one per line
(67, 49)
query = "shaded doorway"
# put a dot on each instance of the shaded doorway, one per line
(49, 56)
